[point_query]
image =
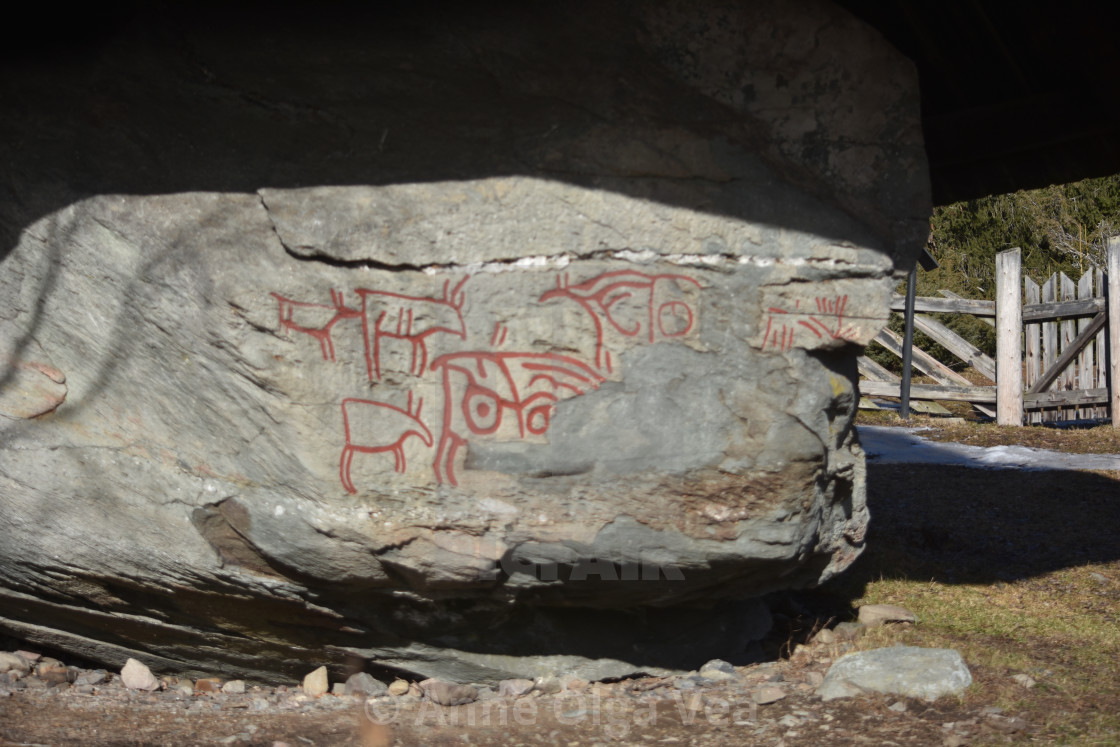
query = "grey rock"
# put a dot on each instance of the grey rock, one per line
(717, 667)
(847, 631)
(515, 688)
(767, 694)
(825, 636)
(913, 672)
(235, 687)
(364, 683)
(552, 360)
(548, 685)
(448, 693)
(872, 615)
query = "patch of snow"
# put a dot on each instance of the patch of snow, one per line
(886, 445)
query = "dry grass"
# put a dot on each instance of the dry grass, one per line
(1020, 571)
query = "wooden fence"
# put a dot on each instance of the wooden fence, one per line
(1053, 343)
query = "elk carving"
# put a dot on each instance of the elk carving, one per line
(315, 319)
(413, 318)
(377, 427)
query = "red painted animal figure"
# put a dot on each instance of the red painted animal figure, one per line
(629, 303)
(482, 388)
(315, 319)
(828, 322)
(377, 427)
(412, 318)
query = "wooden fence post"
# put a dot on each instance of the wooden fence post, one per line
(1009, 338)
(1113, 264)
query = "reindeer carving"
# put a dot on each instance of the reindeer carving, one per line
(376, 427)
(315, 319)
(412, 318)
(627, 302)
(482, 388)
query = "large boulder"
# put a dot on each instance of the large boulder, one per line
(499, 345)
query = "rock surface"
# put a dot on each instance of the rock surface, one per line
(504, 349)
(927, 673)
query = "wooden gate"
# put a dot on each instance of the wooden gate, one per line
(1053, 347)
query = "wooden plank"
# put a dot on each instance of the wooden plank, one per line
(869, 369)
(1072, 397)
(986, 319)
(1069, 355)
(927, 408)
(1009, 338)
(956, 345)
(1032, 341)
(922, 361)
(1113, 265)
(1069, 332)
(1055, 309)
(1085, 360)
(958, 305)
(1102, 346)
(928, 391)
(1049, 335)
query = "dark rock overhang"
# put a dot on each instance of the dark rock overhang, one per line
(1014, 95)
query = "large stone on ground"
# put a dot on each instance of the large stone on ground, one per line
(473, 346)
(927, 673)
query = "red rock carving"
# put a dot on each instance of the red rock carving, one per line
(412, 318)
(480, 387)
(605, 298)
(828, 322)
(376, 427)
(315, 319)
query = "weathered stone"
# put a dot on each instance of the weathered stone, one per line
(93, 677)
(448, 693)
(236, 687)
(717, 665)
(514, 688)
(913, 672)
(316, 682)
(768, 694)
(529, 342)
(136, 676)
(13, 663)
(872, 615)
(398, 687)
(364, 683)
